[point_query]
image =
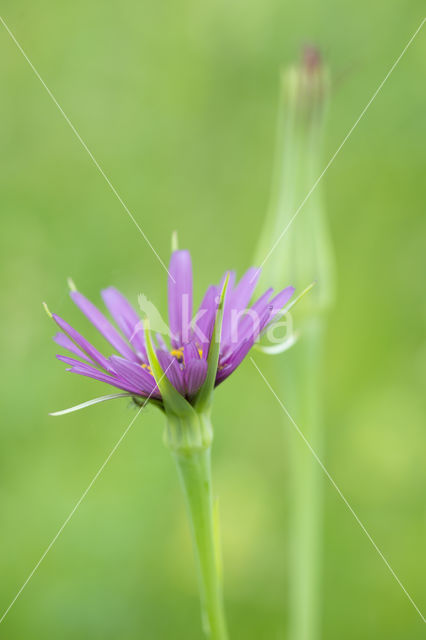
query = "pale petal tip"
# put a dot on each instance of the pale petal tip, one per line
(175, 241)
(71, 284)
(83, 405)
(47, 310)
(257, 272)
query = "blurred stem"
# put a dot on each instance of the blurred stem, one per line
(194, 470)
(302, 396)
(303, 255)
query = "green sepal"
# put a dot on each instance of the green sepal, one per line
(174, 402)
(297, 299)
(205, 394)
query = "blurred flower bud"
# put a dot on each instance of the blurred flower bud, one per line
(295, 245)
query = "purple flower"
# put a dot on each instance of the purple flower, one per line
(209, 344)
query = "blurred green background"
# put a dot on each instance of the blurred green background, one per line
(178, 102)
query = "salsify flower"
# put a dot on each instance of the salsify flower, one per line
(179, 376)
(186, 360)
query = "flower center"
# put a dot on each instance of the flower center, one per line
(178, 354)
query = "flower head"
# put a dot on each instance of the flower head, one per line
(199, 352)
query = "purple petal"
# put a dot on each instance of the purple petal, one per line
(64, 341)
(244, 290)
(137, 340)
(195, 374)
(180, 297)
(204, 319)
(93, 353)
(234, 359)
(135, 375)
(239, 299)
(171, 367)
(261, 303)
(103, 325)
(115, 382)
(246, 323)
(125, 316)
(280, 301)
(90, 372)
(190, 352)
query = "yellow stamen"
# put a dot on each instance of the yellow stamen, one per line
(178, 354)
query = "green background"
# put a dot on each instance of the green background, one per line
(178, 101)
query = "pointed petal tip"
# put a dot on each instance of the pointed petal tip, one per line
(71, 284)
(256, 274)
(88, 403)
(108, 290)
(180, 296)
(47, 310)
(223, 289)
(175, 241)
(300, 295)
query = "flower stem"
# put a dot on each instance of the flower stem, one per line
(303, 395)
(305, 254)
(195, 474)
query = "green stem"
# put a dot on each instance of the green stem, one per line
(302, 393)
(194, 468)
